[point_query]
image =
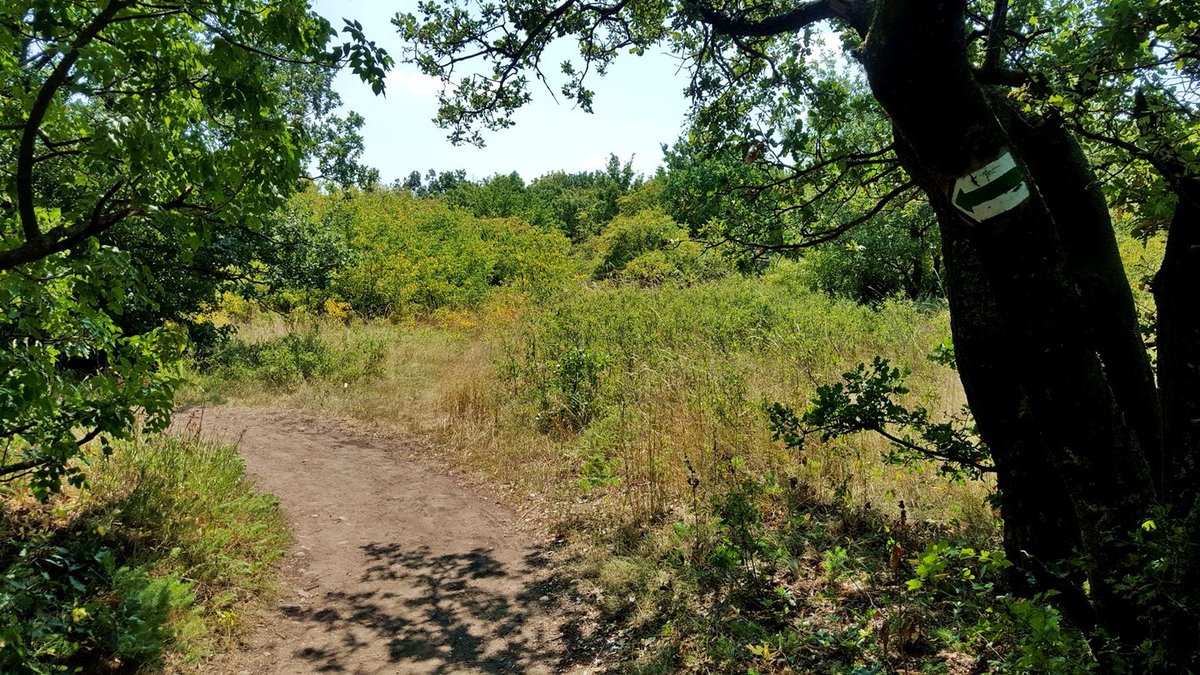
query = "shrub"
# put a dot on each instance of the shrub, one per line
(413, 256)
(570, 395)
(649, 248)
(890, 256)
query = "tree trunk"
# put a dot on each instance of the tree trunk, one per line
(1177, 299)
(1045, 329)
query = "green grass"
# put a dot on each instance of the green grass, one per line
(633, 422)
(627, 411)
(153, 564)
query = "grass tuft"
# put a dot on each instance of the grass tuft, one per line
(153, 564)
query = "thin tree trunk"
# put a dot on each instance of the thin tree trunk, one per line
(1177, 298)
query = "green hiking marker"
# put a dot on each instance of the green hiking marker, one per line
(986, 193)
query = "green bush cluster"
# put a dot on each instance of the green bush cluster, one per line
(153, 560)
(50, 621)
(893, 255)
(576, 204)
(649, 248)
(412, 256)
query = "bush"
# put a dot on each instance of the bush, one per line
(890, 256)
(570, 395)
(411, 256)
(649, 248)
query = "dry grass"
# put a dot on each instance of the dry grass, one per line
(671, 401)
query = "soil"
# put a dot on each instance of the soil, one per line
(394, 566)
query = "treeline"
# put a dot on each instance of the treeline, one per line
(443, 242)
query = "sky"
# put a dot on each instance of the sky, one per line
(639, 105)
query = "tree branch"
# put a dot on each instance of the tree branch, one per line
(7, 471)
(930, 452)
(805, 14)
(815, 238)
(995, 41)
(37, 113)
(64, 237)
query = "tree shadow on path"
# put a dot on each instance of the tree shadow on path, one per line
(448, 613)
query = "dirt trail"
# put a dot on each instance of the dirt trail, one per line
(394, 567)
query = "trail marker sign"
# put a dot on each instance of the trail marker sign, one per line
(987, 192)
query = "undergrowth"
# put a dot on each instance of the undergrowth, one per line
(766, 577)
(152, 564)
(635, 421)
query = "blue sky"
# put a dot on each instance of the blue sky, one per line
(638, 106)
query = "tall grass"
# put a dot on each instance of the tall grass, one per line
(153, 564)
(632, 420)
(599, 400)
(677, 380)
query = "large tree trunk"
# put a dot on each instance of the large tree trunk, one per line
(1177, 296)
(1177, 299)
(1041, 533)
(1045, 329)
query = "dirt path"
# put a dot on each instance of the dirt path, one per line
(394, 568)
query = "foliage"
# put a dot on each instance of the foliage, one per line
(1124, 75)
(154, 128)
(580, 204)
(571, 395)
(896, 254)
(765, 578)
(411, 256)
(866, 401)
(302, 255)
(157, 558)
(296, 357)
(500, 196)
(596, 472)
(649, 248)
(577, 204)
(67, 368)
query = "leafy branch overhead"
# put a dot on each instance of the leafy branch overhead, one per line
(133, 134)
(866, 401)
(805, 153)
(187, 141)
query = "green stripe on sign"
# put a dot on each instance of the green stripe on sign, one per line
(1010, 180)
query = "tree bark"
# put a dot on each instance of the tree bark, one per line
(1177, 294)
(1177, 299)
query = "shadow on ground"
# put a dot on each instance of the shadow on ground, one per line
(450, 613)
